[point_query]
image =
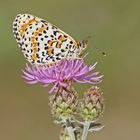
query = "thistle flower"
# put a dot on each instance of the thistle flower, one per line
(92, 105)
(64, 103)
(61, 74)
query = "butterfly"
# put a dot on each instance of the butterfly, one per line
(42, 43)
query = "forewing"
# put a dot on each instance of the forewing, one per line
(41, 42)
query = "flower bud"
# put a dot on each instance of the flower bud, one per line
(64, 103)
(92, 105)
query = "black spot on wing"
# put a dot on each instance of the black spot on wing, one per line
(38, 61)
(44, 31)
(46, 36)
(58, 58)
(54, 27)
(46, 48)
(44, 21)
(62, 50)
(71, 42)
(37, 55)
(51, 36)
(55, 32)
(58, 54)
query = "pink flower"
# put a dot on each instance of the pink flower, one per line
(57, 75)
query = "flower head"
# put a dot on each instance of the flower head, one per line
(62, 73)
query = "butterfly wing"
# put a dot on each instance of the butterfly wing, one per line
(41, 42)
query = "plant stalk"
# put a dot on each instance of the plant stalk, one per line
(85, 130)
(71, 133)
(70, 129)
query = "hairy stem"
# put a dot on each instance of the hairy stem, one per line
(85, 130)
(71, 133)
(70, 129)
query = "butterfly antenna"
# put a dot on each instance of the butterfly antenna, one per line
(103, 53)
(86, 40)
(86, 55)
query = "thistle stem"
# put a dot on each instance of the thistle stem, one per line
(70, 129)
(71, 133)
(85, 130)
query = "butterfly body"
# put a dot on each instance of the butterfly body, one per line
(43, 43)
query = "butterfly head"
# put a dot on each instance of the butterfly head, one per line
(82, 45)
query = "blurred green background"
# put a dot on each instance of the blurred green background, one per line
(114, 27)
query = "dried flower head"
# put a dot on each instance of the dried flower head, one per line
(92, 105)
(62, 73)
